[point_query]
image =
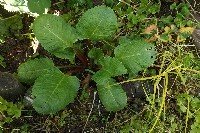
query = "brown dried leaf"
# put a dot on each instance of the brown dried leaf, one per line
(149, 29)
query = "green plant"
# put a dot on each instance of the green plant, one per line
(178, 24)
(59, 38)
(136, 12)
(8, 112)
(190, 105)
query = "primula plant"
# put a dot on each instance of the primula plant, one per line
(52, 89)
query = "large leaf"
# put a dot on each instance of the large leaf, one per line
(53, 32)
(29, 71)
(112, 96)
(38, 6)
(53, 92)
(135, 55)
(97, 23)
(110, 67)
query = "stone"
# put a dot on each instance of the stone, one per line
(196, 37)
(136, 89)
(28, 98)
(10, 88)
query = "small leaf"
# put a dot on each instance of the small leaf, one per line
(133, 19)
(110, 67)
(2, 63)
(167, 20)
(67, 53)
(53, 32)
(97, 23)
(185, 10)
(173, 6)
(38, 6)
(135, 55)
(154, 8)
(109, 2)
(186, 30)
(96, 53)
(53, 92)
(29, 71)
(112, 96)
(164, 37)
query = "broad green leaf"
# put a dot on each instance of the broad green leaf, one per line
(97, 23)
(38, 6)
(29, 71)
(110, 67)
(135, 55)
(53, 32)
(53, 92)
(112, 96)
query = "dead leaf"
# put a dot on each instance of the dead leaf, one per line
(149, 29)
(167, 29)
(186, 30)
(180, 39)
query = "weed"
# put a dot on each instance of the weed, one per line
(8, 112)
